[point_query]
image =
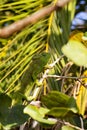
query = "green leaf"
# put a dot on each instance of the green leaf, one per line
(76, 52)
(11, 116)
(38, 114)
(59, 112)
(55, 99)
(5, 103)
(59, 104)
(72, 105)
(15, 117)
(58, 99)
(67, 128)
(85, 34)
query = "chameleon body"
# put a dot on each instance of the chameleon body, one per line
(35, 68)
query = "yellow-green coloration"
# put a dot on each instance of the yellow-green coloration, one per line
(82, 97)
(79, 36)
(35, 68)
(84, 39)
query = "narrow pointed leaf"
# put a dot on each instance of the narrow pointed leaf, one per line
(82, 96)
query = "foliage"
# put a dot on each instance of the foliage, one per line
(11, 116)
(38, 114)
(26, 73)
(80, 52)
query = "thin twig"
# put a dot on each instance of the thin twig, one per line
(58, 77)
(70, 125)
(32, 19)
(56, 61)
(82, 83)
(82, 124)
(73, 126)
(49, 67)
(65, 73)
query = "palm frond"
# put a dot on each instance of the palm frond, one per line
(58, 34)
(49, 34)
(17, 51)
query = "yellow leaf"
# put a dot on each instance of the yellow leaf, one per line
(78, 36)
(82, 96)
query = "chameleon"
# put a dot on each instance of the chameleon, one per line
(36, 66)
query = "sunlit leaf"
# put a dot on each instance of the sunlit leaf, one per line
(61, 112)
(76, 35)
(37, 114)
(82, 96)
(67, 128)
(76, 52)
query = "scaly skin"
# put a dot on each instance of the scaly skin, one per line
(35, 68)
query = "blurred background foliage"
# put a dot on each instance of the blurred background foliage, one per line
(18, 52)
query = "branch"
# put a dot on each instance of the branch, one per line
(73, 126)
(70, 125)
(32, 19)
(82, 124)
(45, 75)
(58, 77)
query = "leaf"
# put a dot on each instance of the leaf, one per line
(38, 114)
(58, 99)
(76, 35)
(67, 128)
(82, 96)
(59, 112)
(15, 117)
(76, 52)
(72, 105)
(59, 104)
(11, 116)
(82, 100)
(85, 34)
(55, 99)
(5, 103)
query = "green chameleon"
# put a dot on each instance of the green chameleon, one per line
(36, 66)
